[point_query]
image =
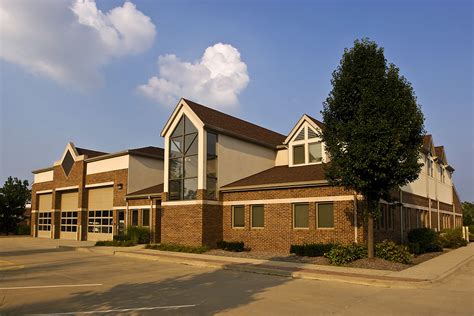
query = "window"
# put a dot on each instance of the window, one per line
(44, 221)
(69, 221)
(429, 166)
(315, 152)
(298, 155)
(68, 163)
(257, 216)
(211, 184)
(441, 171)
(183, 161)
(325, 215)
(301, 215)
(306, 147)
(406, 218)
(100, 222)
(145, 217)
(134, 217)
(238, 216)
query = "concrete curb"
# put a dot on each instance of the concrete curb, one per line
(296, 271)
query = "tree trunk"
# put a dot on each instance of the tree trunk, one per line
(370, 236)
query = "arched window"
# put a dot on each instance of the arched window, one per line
(183, 161)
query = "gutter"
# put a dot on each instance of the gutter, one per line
(275, 186)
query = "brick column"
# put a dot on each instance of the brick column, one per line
(56, 215)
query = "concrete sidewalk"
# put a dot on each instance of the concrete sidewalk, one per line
(417, 276)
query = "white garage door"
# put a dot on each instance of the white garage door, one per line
(69, 204)
(100, 213)
(44, 215)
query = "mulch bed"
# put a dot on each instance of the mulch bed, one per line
(375, 263)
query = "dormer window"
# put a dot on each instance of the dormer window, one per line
(306, 147)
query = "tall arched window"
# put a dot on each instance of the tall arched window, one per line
(183, 161)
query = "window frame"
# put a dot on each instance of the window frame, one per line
(294, 212)
(233, 216)
(100, 226)
(317, 216)
(306, 142)
(45, 221)
(71, 217)
(251, 216)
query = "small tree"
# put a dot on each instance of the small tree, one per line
(374, 128)
(13, 198)
(468, 213)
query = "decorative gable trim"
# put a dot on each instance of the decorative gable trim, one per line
(181, 107)
(75, 155)
(296, 129)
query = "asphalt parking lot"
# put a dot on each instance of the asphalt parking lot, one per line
(37, 278)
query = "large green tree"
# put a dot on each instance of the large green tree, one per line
(374, 128)
(468, 213)
(14, 195)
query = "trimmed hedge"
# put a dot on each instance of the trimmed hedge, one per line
(139, 235)
(236, 246)
(452, 238)
(340, 254)
(23, 230)
(388, 250)
(423, 240)
(178, 248)
(311, 250)
(115, 243)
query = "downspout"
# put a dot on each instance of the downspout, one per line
(355, 218)
(402, 239)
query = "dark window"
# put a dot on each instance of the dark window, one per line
(67, 163)
(183, 161)
(134, 217)
(325, 215)
(298, 154)
(211, 167)
(258, 217)
(145, 217)
(238, 216)
(301, 215)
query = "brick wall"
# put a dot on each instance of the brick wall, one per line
(182, 224)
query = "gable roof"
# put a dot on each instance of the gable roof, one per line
(232, 126)
(282, 176)
(297, 127)
(89, 153)
(427, 141)
(153, 190)
(317, 122)
(148, 151)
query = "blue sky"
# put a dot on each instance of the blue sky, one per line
(289, 49)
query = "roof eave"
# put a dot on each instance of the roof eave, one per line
(275, 186)
(42, 170)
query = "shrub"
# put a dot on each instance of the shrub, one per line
(23, 230)
(340, 255)
(452, 238)
(388, 250)
(422, 240)
(115, 243)
(121, 237)
(178, 248)
(139, 235)
(236, 246)
(311, 250)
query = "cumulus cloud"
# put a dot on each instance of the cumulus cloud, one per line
(69, 41)
(216, 79)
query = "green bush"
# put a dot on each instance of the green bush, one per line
(139, 235)
(452, 238)
(311, 250)
(122, 237)
(115, 243)
(340, 254)
(23, 230)
(178, 248)
(236, 246)
(388, 250)
(423, 240)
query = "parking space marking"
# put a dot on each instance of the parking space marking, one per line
(121, 310)
(46, 286)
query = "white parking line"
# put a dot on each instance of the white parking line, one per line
(46, 286)
(119, 310)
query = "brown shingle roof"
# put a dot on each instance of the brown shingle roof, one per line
(154, 190)
(89, 153)
(150, 150)
(227, 124)
(317, 122)
(282, 175)
(426, 142)
(439, 151)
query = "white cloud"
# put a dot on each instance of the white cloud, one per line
(69, 41)
(216, 79)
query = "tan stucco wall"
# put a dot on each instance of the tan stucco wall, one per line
(105, 165)
(281, 158)
(44, 176)
(238, 159)
(144, 172)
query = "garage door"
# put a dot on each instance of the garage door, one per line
(100, 213)
(44, 215)
(69, 204)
